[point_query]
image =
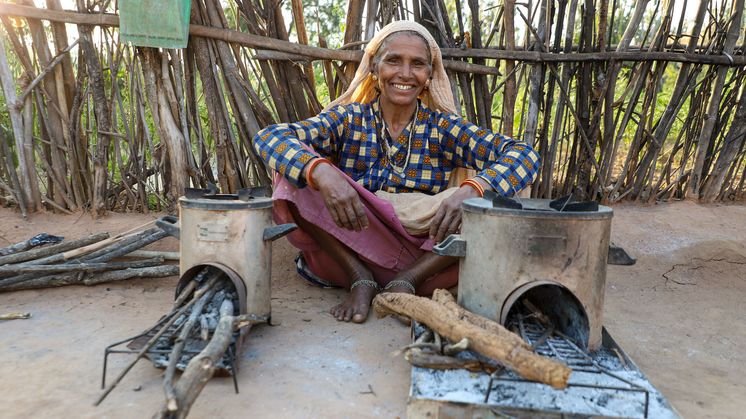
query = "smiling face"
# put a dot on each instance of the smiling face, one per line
(403, 69)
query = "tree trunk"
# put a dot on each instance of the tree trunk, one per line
(510, 92)
(22, 180)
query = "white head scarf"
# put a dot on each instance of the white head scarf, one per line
(362, 89)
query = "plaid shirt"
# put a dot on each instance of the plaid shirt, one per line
(348, 136)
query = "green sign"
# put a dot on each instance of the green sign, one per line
(155, 23)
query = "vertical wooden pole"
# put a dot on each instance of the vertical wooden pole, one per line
(510, 90)
(706, 135)
(16, 121)
(536, 80)
(481, 93)
(585, 100)
(353, 30)
(101, 112)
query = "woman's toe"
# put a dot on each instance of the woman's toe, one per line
(349, 314)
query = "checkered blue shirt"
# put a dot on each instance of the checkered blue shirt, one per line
(347, 135)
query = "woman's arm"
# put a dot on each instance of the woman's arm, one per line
(505, 164)
(285, 149)
(282, 148)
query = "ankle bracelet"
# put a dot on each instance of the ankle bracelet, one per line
(406, 284)
(366, 283)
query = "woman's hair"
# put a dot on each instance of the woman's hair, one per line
(385, 44)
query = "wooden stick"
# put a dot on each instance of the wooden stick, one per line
(99, 245)
(214, 274)
(125, 246)
(58, 59)
(15, 316)
(52, 249)
(173, 358)
(419, 358)
(446, 299)
(9, 90)
(458, 66)
(153, 254)
(120, 275)
(29, 244)
(201, 368)
(197, 295)
(60, 280)
(79, 267)
(433, 314)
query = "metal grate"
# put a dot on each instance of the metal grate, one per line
(603, 383)
(552, 343)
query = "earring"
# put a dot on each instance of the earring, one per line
(427, 84)
(374, 77)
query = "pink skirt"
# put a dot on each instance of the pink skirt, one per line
(384, 247)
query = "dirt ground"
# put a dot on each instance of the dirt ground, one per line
(679, 313)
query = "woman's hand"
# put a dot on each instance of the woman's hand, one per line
(341, 199)
(447, 219)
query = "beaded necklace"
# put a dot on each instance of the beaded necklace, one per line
(386, 147)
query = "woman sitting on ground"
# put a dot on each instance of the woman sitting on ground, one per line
(395, 130)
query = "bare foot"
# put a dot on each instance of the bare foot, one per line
(356, 306)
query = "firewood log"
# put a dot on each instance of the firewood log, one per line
(443, 321)
(420, 358)
(52, 249)
(444, 297)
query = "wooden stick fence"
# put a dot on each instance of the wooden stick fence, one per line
(623, 99)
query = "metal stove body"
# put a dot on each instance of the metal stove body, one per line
(558, 258)
(219, 234)
(233, 233)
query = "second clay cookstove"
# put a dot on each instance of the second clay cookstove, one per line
(226, 237)
(232, 233)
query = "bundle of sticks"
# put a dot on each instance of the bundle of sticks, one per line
(198, 336)
(86, 261)
(467, 330)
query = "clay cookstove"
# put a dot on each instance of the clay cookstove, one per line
(555, 259)
(226, 238)
(233, 233)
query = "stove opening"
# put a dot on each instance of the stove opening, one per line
(201, 274)
(552, 305)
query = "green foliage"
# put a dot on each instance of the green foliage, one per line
(325, 18)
